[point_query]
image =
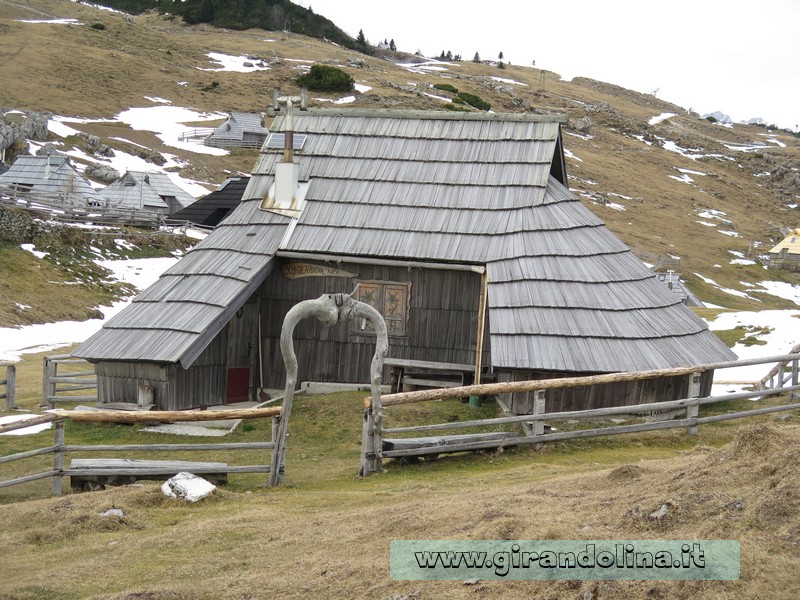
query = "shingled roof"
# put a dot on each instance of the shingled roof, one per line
(149, 191)
(50, 176)
(565, 294)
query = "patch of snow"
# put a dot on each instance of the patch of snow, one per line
(642, 139)
(511, 81)
(683, 179)
(51, 21)
(781, 289)
(360, 87)
(22, 306)
(97, 6)
(235, 63)
(345, 100)
(732, 292)
(167, 123)
(158, 100)
(706, 223)
(26, 430)
(435, 97)
(783, 335)
(662, 117)
(730, 233)
(569, 154)
(30, 248)
(690, 172)
(742, 261)
(615, 206)
(31, 339)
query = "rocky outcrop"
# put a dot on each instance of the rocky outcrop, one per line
(16, 126)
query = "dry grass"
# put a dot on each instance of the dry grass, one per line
(323, 538)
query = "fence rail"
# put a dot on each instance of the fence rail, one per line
(60, 447)
(534, 432)
(73, 208)
(10, 384)
(785, 371)
(56, 387)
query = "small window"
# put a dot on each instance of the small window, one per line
(391, 299)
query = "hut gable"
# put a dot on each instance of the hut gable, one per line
(418, 205)
(51, 176)
(240, 130)
(789, 246)
(139, 190)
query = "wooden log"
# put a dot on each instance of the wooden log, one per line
(170, 447)
(546, 384)
(160, 416)
(444, 441)
(547, 437)
(429, 382)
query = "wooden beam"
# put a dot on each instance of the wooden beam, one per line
(482, 302)
(160, 416)
(527, 386)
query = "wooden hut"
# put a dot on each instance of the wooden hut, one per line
(49, 178)
(139, 190)
(240, 130)
(211, 209)
(458, 227)
(786, 254)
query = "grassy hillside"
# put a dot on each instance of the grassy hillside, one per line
(325, 533)
(681, 186)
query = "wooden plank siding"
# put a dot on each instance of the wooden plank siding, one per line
(442, 323)
(625, 393)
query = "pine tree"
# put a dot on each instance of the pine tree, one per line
(361, 40)
(476, 58)
(500, 56)
(392, 46)
(449, 55)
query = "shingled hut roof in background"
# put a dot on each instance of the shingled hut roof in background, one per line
(240, 129)
(141, 190)
(51, 176)
(488, 190)
(211, 209)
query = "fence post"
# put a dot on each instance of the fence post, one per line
(795, 375)
(11, 386)
(534, 428)
(692, 410)
(58, 458)
(48, 386)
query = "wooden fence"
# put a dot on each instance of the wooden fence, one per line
(59, 387)
(60, 447)
(72, 208)
(533, 425)
(783, 372)
(10, 385)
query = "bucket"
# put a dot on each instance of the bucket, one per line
(475, 401)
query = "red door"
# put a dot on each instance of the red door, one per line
(238, 385)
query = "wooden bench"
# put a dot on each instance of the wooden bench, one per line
(427, 377)
(95, 473)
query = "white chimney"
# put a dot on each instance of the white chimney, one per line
(284, 196)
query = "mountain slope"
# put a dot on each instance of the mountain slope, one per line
(678, 185)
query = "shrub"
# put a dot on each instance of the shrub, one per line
(324, 78)
(711, 119)
(445, 87)
(98, 26)
(474, 100)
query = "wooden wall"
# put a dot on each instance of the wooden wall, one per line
(204, 383)
(626, 393)
(442, 323)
